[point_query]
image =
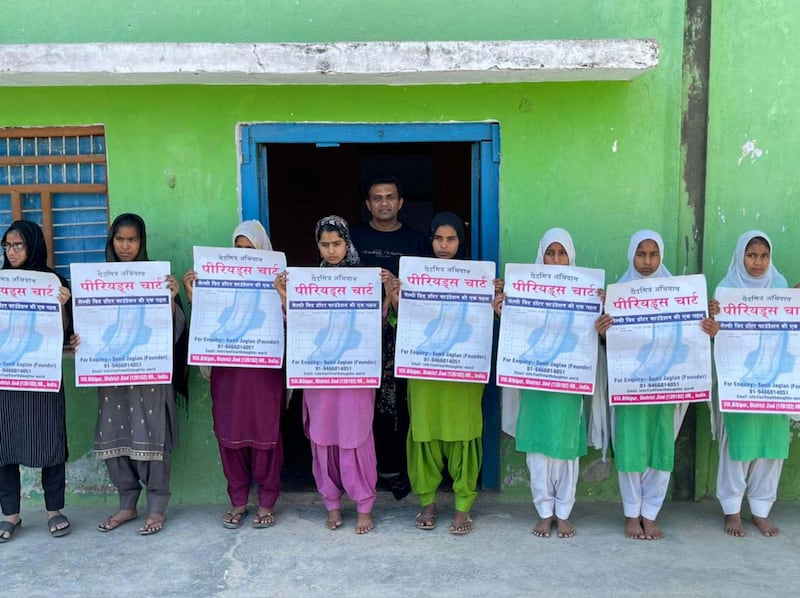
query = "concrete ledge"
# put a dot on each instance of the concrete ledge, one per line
(339, 63)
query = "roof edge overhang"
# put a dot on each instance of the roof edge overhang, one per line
(335, 63)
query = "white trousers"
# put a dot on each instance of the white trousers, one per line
(553, 484)
(643, 493)
(760, 477)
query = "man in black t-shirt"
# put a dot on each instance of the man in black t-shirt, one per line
(381, 242)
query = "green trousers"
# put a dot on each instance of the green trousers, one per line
(426, 464)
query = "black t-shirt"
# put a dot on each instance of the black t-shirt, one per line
(383, 249)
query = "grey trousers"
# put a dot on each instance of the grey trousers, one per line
(129, 476)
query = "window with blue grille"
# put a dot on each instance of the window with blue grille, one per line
(57, 177)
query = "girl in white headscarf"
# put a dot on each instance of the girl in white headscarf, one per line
(551, 427)
(246, 408)
(644, 435)
(752, 446)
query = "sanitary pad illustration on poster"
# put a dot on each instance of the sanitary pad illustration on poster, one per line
(449, 328)
(242, 316)
(125, 334)
(658, 357)
(338, 336)
(14, 346)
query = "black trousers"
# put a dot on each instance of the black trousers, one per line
(53, 483)
(390, 439)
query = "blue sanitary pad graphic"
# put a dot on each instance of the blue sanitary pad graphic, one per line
(13, 347)
(554, 337)
(243, 315)
(124, 335)
(337, 337)
(447, 329)
(665, 350)
(769, 360)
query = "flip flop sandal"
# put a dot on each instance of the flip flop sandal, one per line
(264, 521)
(151, 529)
(465, 527)
(10, 528)
(426, 523)
(110, 524)
(56, 532)
(236, 519)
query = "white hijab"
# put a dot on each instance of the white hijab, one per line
(556, 235)
(737, 276)
(597, 417)
(255, 231)
(638, 237)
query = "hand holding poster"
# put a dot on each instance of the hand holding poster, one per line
(333, 324)
(547, 335)
(31, 331)
(123, 315)
(237, 318)
(756, 350)
(657, 351)
(445, 320)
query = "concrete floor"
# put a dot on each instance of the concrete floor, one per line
(195, 556)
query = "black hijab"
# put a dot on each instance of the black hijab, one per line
(180, 369)
(36, 258)
(35, 246)
(135, 221)
(443, 219)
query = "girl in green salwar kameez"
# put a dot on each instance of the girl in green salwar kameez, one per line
(446, 417)
(752, 446)
(551, 427)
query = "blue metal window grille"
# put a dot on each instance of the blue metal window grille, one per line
(57, 177)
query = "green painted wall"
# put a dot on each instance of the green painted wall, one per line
(602, 159)
(754, 93)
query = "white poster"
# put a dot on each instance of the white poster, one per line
(333, 328)
(123, 315)
(237, 318)
(31, 331)
(657, 351)
(756, 350)
(445, 320)
(547, 336)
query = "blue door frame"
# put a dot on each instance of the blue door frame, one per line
(485, 217)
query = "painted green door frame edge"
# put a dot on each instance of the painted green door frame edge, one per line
(485, 137)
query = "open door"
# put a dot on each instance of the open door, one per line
(292, 174)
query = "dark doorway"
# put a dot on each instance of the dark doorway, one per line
(308, 181)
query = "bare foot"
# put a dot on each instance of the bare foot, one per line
(542, 529)
(152, 525)
(117, 519)
(364, 523)
(733, 526)
(427, 518)
(334, 520)
(633, 528)
(764, 526)
(651, 530)
(565, 528)
(461, 524)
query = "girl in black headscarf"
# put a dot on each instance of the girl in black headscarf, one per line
(137, 427)
(446, 418)
(33, 428)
